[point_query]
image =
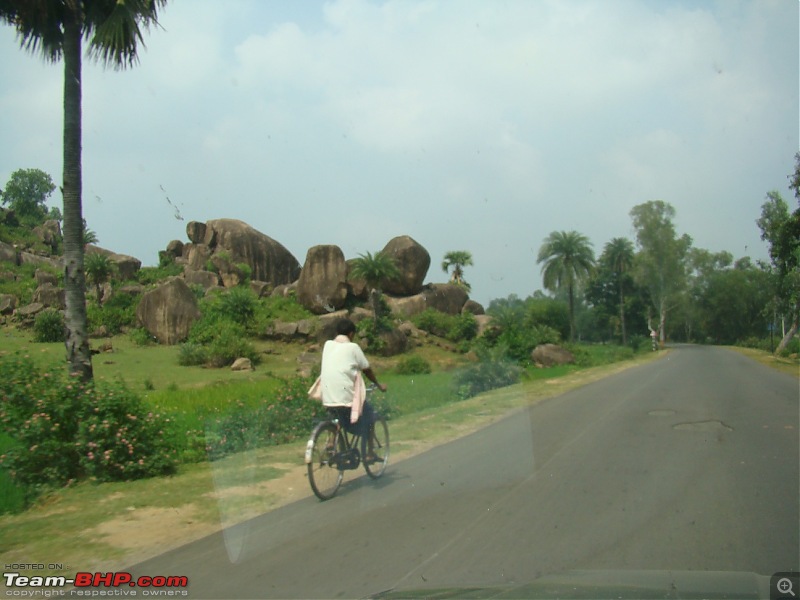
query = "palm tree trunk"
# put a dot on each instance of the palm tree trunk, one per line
(76, 336)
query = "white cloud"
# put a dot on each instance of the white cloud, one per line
(478, 125)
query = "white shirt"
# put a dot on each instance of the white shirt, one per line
(342, 360)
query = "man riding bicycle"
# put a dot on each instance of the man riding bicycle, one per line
(342, 385)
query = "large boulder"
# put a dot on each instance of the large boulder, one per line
(28, 258)
(358, 287)
(550, 355)
(268, 260)
(50, 295)
(406, 306)
(126, 266)
(43, 277)
(196, 232)
(196, 256)
(206, 279)
(8, 302)
(322, 286)
(50, 233)
(168, 311)
(8, 253)
(413, 262)
(445, 297)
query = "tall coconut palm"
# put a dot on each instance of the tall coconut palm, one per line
(375, 270)
(618, 256)
(55, 29)
(568, 259)
(457, 259)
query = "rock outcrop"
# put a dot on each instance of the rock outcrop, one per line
(126, 266)
(168, 311)
(322, 286)
(550, 355)
(267, 259)
(412, 260)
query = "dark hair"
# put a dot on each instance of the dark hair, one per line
(345, 327)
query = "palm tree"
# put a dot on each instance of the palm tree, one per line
(568, 259)
(98, 269)
(56, 29)
(618, 255)
(374, 269)
(457, 259)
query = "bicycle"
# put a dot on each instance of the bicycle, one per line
(331, 450)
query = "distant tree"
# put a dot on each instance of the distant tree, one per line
(56, 29)
(26, 193)
(568, 260)
(618, 256)
(661, 261)
(375, 270)
(457, 259)
(781, 230)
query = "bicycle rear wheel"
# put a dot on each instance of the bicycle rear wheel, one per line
(375, 465)
(324, 473)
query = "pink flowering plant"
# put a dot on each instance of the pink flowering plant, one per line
(63, 430)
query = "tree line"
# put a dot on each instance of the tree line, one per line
(660, 284)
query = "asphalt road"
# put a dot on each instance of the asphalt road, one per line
(686, 463)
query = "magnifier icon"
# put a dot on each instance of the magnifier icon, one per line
(784, 586)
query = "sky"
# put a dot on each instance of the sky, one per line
(477, 125)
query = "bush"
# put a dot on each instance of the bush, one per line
(141, 337)
(66, 430)
(493, 370)
(413, 365)
(229, 345)
(150, 275)
(793, 347)
(286, 417)
(119, 312)
(455, 328)
(192, 354)
(49, 326)
(236, 304)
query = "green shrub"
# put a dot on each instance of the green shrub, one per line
(287, 416)
(150, 275)
(229, 345)
(141, 337)
(192, 354)
(385, 405)
(65, 430)
(793, 347)
(237, 304)
(455, 328)
(493, 370)
(49, 326)
(413, 365)
(277, 308)
(115, 315)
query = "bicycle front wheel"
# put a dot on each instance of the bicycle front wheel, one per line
(324, 473)
(378, 454)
